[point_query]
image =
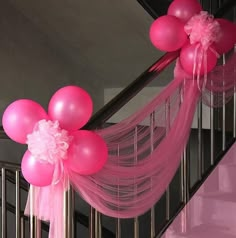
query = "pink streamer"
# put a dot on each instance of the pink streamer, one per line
(203, 31)
(47, 203)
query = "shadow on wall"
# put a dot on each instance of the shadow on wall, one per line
(30, 66)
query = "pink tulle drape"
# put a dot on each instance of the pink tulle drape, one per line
(221, 83)
(144, 151)
(141, 163)
(47, 204)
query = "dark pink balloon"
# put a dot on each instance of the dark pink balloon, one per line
(184, 9)
(188, 59)
(167, 33)
(87, 154)
(37, 173)
(228, 36)
(235, 33)
(20, 117)
(71, 106)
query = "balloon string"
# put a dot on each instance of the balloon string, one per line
(199, 64)
(58, 172)
(195, 61)
(205, 71)
(214, 51)
(205, 65)
(200, 59)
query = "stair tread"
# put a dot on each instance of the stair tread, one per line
(205, 231)
(230, 164)
(218, 195)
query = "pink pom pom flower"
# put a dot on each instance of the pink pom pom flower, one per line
(203, 29)
(48, 142)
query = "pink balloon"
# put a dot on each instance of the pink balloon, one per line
(184, 9)
(228, 36)
(87, 154)
(20, 117)
(167, 33)
(37, 173)
(234, 34)
(187, 59)
(71, 106)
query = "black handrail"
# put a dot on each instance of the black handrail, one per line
(137, 85)
(132, 90)
(101, 116)
(106, 112)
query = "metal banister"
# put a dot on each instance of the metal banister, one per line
(10, 170)
(99, 119)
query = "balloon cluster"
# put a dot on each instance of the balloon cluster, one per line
(199, 37)
(54, 142)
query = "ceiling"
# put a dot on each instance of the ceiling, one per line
(110, 37)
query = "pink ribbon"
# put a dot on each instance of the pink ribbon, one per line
(49, 143)
(47, 204)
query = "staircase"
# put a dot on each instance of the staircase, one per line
(211, 211)
(205, 149)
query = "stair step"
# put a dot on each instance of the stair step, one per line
(227, 178)
(216, 208)
(203, 231)
(222, 196)
(211, 211)
(211, 184)
(230, 157)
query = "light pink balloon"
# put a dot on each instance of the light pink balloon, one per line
(184, 9)
(228, 36)
(71, 106)
(187, 59)
(167, 33)
(87, 154)
(20, 117)
(35, 172)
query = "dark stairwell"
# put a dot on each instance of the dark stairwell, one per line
(170, 204)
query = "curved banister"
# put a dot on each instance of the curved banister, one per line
(10, 165)
(126, 95)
